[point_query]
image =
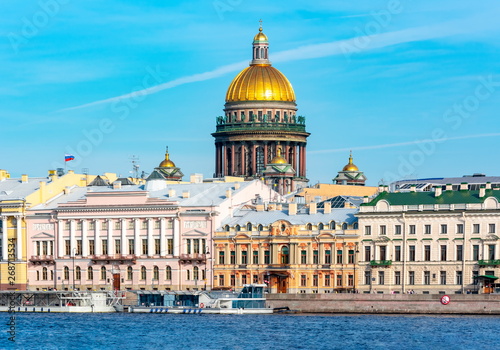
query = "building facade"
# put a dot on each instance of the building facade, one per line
(429, 242)
(291, 250)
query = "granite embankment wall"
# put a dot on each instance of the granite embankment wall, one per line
(479, 304)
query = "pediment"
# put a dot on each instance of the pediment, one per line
(195, 233)
(43, 235)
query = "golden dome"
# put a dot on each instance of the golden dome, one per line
(167, 163)
(260, 37)
(350, 166)
(260, 83)
(278, 159)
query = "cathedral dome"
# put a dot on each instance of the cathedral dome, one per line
(167, 163)
(350, 166)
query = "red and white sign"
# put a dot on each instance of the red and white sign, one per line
(445, 300)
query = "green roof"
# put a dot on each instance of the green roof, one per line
(447, 197)
(487, 276)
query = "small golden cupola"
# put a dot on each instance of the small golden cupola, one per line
(167, 163)
(278, 159)
(350, 166)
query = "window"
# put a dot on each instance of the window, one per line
(92, 225)
(91, 247)
(476, 228)
(244, 257)
(427, 277)
(145, 246)
(328, 256)
(104, 246)
(144, 224)
(344, 226)
(196, 273)
(130, 273)
(427, 229)
(327, 280)
(315, 280)
(460, 228)
(118, 246)
(118, 225)
(78, 247)
(233, 257)
(168, 273)
(397, 253)
(381, 277)
(397, 278)
(475, 252)
(383, 230)
(368, 230)
(131, 225)
(255, 257)
(78, 273)
(444, 229)
(170, 246)
(475, 274)
(303, 256)
(143, 273)
(350, 258)
(104, 225)
(460, 252)
(196, 246)
(339, 256)
(315, 257)
(188, 246)
(44, 274)
(233, 280)
(443, 253)
(170, 224)
(131, 246)
(355, 226)
(491, 251)
(368, 253)
(267, 257)
(237, 228)
(303, 280)
(157, 224)
(458, 277)
(397, 229)
(411, 256)
(66, 225)
(491, 228)
(321, 226)
(67, 244)
(157, 246)
(90, 273)
(350, 280)
(442, 277)
(285, 257)
(103, 273)
(260, 228)
(221, 280)
(368, 277)
(249, 226)
(255, 279)
(156, 273)
(332, 225)
(244, 279)
(413, 229)
(427, 253)
(221, 257)
(383, 252)
(309, 227)
(411, 277)
(339, 280)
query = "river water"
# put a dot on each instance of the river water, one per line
(160, 331)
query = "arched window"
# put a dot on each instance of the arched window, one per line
(143, 273)
(168, 273)
(90, 273)
(226, 228)
(188, 275)
(321, 226)
(130, 273)
(249, 226)
(344, 226)
(156, 273)
(51, 275)
(237, 228)
(66, 273)
(196, 272)
(309, 227)
(285, 255)
(260, 228)
(78, 273)
(103, 273)
(355, 226)
(332, 225)
(38, 275)
(44, 274)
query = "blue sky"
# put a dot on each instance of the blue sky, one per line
(412, 87)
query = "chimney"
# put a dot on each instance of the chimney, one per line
(482, 191)
(313, 208)
(292, 209)
(196, 178)
(488, 185)
(24, 178)
(328, 208)
(366, 199)
(413, 188)
(3, 175)
(185, 194)
(381, 188)
(171, 193)
(260, 207)
(237, 186)
(449, 187)
(438, 190)
(464, 186)
(117, 185)
(228, 193)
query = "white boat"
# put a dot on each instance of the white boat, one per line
(61, 301)
(251, 300)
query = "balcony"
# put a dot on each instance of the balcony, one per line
(116, 258)
(192, 258)
(40, 259)
(488, 262)
(383, 263)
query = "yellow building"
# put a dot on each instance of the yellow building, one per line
(16, 196)
(293, 250)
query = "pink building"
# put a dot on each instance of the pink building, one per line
(153, 236)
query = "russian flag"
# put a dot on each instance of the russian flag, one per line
(68, 157)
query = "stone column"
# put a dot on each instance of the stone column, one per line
(124, 237)
(111, 246)
(242, 159)
(85, 242)
(97, 238)
(72, 238)
(60, 238)
(266, 153)
(5, 241)
(163, 228)
(254, 159)
(151, 249)
(309, 254)
(176, 237)
(321, 254)
(137, 237)
(233, 158)
(19, 238)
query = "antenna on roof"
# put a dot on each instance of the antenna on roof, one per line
(135, 166)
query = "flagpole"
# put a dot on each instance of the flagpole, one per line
(65, 164)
